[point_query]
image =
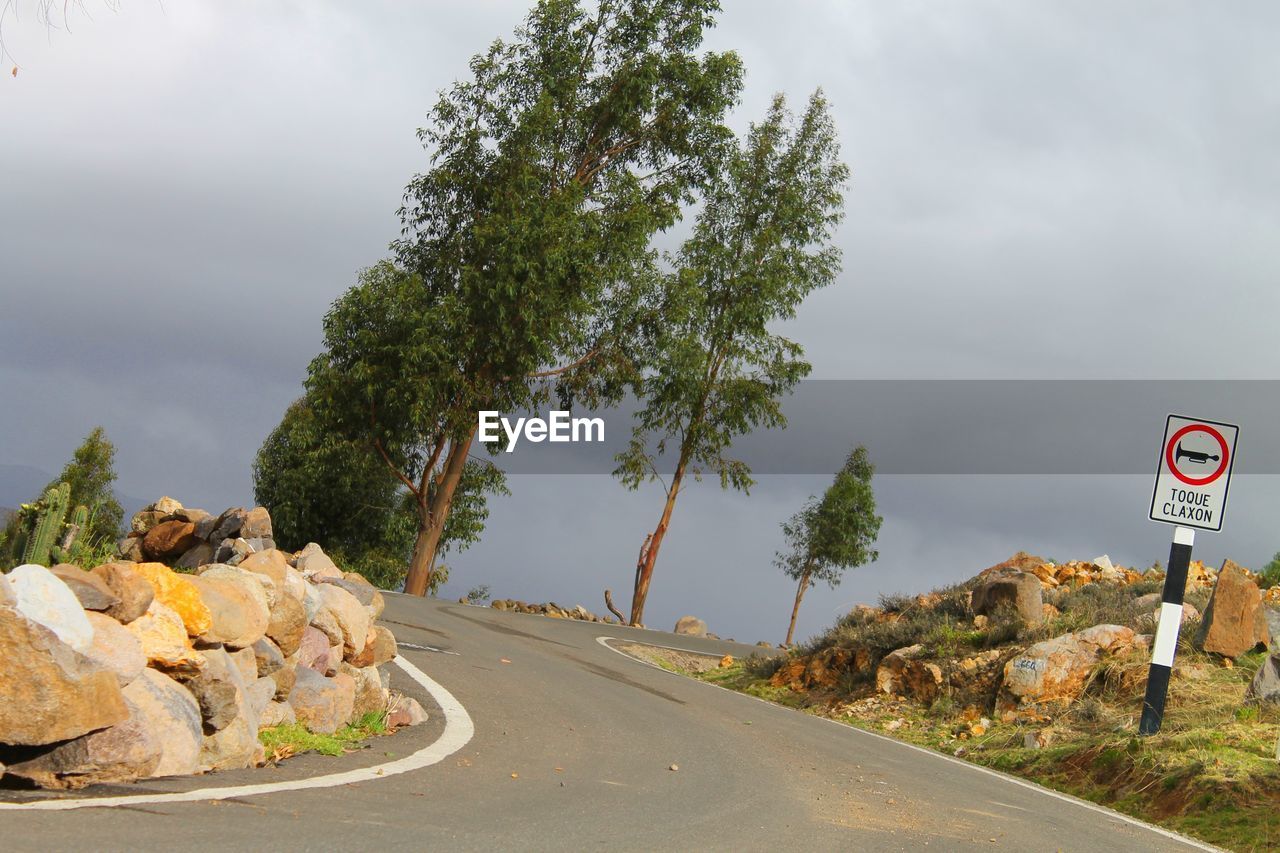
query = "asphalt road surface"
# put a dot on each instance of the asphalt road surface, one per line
(572, 749)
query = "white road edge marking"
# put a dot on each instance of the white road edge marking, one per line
(458, 730)
(1014, 780)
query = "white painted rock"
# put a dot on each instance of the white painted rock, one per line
(43, 598)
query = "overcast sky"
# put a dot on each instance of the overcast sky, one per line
(1040, 191)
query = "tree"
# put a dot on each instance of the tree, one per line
(832, 534)
(524, 244)
(1270, 574)
(322, 488)
(761, 243)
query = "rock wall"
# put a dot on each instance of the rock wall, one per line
(135, 670)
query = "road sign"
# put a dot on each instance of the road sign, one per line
(1196, 458)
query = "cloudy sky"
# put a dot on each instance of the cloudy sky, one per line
(1040, 191)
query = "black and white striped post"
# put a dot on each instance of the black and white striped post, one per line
(1166, 643)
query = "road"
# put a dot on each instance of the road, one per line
(572, 748)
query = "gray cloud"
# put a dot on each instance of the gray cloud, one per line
(1048, 190)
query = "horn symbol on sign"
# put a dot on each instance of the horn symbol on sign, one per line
(1193, 456)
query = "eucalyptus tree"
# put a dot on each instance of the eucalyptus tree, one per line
(832, 533)
(527, 241)
(761, 243)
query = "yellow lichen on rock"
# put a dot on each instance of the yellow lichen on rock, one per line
(178, 594)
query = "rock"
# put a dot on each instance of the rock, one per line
(691, 626)
(405, 711)
(50, 691)
(1057, 669)
(130, 548)
(369, 695)
(232, 552)
(764, 644)
(313, 651)
(235, 746)
(170, 713)
(218, 691)
(322, 704)
(271, 563)
(238, 617)
(166, 507)
(259, 695)
(314, 563)
(246, 661)
(295, 584)
(227, 525)
(199, 554)
(124, 752)
(115, 648)
(256, 524)
(191, 514)
(268, 656)
(285, 677)
(1019, 590)
(287, 621)
(334, 661)
(130, 586)
(143, 521)
(44, 599)
(169, 539)
(823, 668)
(1272, 615)
(91, 591)
(1234, 621)
(311, 601)
(363, 591)
(276, 714)
(384, 645)
(325, 622)
(901, 673)
(179, 594)
(1265, 686)
(164, 640)
(352, 618)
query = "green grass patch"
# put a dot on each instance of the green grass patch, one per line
(294, 739)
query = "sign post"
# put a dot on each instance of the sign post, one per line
(1192, 477)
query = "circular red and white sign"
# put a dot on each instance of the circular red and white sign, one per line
(1196, 456)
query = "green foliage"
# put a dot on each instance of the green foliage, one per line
(91, 476)
(49, 514)
(1270, 574)
(479, 594)
(294, 739)
(834, 533)
(552, 165)
(761, 243)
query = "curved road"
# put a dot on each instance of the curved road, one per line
(590, 736)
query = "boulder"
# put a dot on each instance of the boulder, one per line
(43, 598)
(363, 591)
(405, 711)
(369, 696)
(164, 640)
(313, 651)
(115, 648)
(199, 554)
(322, 704)
(218, 690)
(1272, 615)
(170, 712)
(234, 746)
(691, 626)
(91, 591)
(287, 621)
(50, 691)
(142, 522)
(169, 539)
(272, 563)
(1234, 621)
(384, 645)
(1265, 686)
(902, 673)
(326, 623)
(127, 751)
(193, 515)
(179, 594)
(130, 586)
(238, 616)
(227, 525)
(285, 677)
(314, 563)
(268, 656)
(1018, 590)
(166, 507)
(295, 584)
(349, 613)
(1057, 670)
(246, 661)
(259, 695)
(130, 548)
(256, 524)
(277, 714)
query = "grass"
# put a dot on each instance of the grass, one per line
(294, 739)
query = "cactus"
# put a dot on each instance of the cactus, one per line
(73, 544)
(49, 519)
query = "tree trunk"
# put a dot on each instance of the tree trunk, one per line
(795, 611)
(645, 572)
(433, 516)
